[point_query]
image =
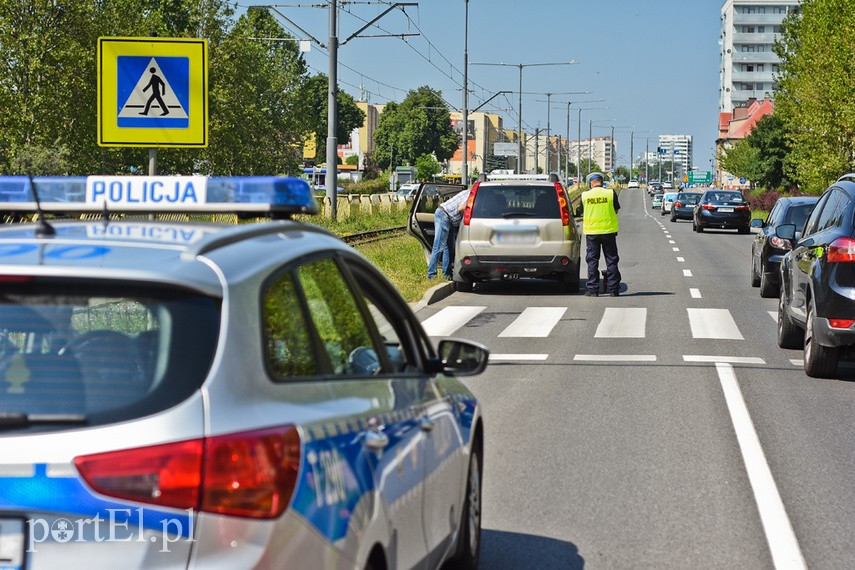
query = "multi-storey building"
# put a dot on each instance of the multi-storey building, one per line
(749, 65)
(600, 150)
(678, 148)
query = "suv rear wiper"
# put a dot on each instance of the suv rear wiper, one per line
(20, 419)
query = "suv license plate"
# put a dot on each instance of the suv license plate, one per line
(11, 544)
(728, 210)
(516, 238)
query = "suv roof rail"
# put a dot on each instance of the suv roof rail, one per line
(850, 176)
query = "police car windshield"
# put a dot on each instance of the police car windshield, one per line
(104, 352)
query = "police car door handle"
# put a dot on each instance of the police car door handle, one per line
(375, 440)
(426, 424)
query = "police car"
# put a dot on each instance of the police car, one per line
(191, 394)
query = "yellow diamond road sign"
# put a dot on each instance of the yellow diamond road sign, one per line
(153, 92)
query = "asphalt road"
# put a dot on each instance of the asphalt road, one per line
(660, 429)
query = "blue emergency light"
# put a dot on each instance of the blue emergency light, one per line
(250, 195)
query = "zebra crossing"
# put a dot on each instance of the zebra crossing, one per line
(614, 323)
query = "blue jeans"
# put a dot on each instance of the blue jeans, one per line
(441, 234)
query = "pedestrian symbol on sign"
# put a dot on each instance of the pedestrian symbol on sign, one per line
(153, 92)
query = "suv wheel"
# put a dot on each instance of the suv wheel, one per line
(463, 286)
(820, 361)
(789, 335)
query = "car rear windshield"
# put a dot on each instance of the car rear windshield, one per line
(689, 198)
(99, 352)
(524, 201)
(724, 197)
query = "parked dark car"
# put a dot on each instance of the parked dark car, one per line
(684, 205)
(725, 209)
(768, 249)
(815, 308)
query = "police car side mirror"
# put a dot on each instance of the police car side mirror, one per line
(461, 357)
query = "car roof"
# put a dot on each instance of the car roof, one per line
(173, 253)
(794, 200)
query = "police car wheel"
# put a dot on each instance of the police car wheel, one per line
(469, 538)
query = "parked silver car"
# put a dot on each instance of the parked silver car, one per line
(188, 394)
(514, 226)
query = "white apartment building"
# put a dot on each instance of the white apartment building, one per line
(599, 149)
(678, 147)
(749, 67)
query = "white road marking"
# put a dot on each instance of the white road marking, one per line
(671, 241)
(726, 359)
(687, 273)
(782, 541)
(797, 362)
(517, 357)
(681, 259)
(675, 249)
(713, 323)
(449, 319)
(695, 293)
(774, 315)
(615, 357)
(622, 323)
(535, 322)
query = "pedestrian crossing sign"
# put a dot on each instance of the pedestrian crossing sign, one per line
(152, 92)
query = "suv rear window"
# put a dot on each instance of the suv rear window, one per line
(103, 352)
(524, 201)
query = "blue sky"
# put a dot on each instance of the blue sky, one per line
(655, 62)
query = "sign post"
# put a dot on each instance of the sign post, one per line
(152, 92)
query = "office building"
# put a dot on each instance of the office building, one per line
(749, 65)
(678, 148)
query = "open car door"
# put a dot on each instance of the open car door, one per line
(427, 198)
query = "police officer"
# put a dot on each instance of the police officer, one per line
(599, 207)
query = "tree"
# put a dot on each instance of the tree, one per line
(769, 138)
(316, 95)
(427, 166)
(420, 124)
(622, 171)
(815, 100)
(741, 160)
(48, 66)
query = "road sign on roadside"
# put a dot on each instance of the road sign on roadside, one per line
(505, 149)
(152, 92)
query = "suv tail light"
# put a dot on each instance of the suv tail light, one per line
(841, 250)
(248, 474)
(562, 203)
(467, 214)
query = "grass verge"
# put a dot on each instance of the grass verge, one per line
(402, 260)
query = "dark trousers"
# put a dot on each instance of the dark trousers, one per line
(608, 242)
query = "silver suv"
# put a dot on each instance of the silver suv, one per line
(514, 226)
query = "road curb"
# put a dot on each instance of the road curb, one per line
(433, 295)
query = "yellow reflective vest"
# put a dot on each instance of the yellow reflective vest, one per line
(598, 212)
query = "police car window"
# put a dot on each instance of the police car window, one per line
(345, 337)
(392, 326)
(70, 348)
(288, 344)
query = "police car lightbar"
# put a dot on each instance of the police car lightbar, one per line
(261, 196)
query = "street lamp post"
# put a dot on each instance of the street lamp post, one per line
(464, 170)
(579, 140)
(520, 66)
